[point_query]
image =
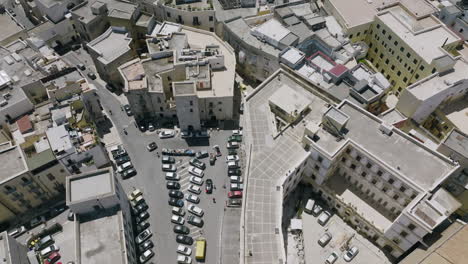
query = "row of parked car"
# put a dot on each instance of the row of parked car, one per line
(196, 170)
(123, 162)
(314, 208)
(140, 211)
(236, 182)
(46, 249)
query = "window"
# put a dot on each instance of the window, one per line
(168, 14)
(363, 174)
(374, 181)
(402, 49)
(191, 103)
(389, 37)
(365, 31)
(411, 227)
(416, 76)
(403, 234)
(348, 151)
(395, 43)
(8, 188)
(413, 196)
(384, 189)
(377, 65)
(378, 26)
(25, 180)
(379, 173)
(405, 79)
(392, 67)
(387, 61)
(320, 159)
(381, 55)
(358, 158)
(421, 68)
(210, 18)
(408, 55)
(398, 73)
(384, 31)
(396, 240)
(370, 45)
(391, 181)
(368, 165)
(343, 159)
(353, 167)
(358, 34)
(191, 110)
(317, 167)
(395, 197)
(50, 177)
(351, 36)
(211, 29)
(376, 50)
(433, 70)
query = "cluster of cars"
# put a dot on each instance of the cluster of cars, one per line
(236, 182)
(46, 249)
(123, 162)
(139, 210)
(315, 209)
(176, 200)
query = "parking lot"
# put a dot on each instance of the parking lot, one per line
(341, 234)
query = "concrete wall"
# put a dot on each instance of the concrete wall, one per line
(188, 112)
(206, 18)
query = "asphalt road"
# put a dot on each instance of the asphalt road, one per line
(150, 179)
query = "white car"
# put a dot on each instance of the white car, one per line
(232, 158)
(150, 127)
(184, 259)
(237, 132)
(176, 219)
(196, 180)
(146, 255)
(237, 187)
(351, 253)
(48, 250)
(172, 176)
(184, 250)
(194, 189)
(166, 134)
(323, 218)
(332, 258)
(195, 210)
(192, 198)
(133, 195)
(196, 171)
(125, 166)
(317, 210)
(178, 211)
(232, 145)
(169, 167)
(324, 239)
(236, 179)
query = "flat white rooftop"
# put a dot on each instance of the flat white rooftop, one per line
(90, 186)
(111, 44)
(424, 36)
(272, 29)
(289, 100)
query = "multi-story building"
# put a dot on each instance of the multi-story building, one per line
(102, 218)
(31, 177)
(380, 180)
(11, 251)
(110, 50)
(176, 80)
(11, 29)
(454, 14)
(56, 10)
(406, 42)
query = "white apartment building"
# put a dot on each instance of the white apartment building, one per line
(102, 218)
(381, 181)
(455, 15)
(188, 75)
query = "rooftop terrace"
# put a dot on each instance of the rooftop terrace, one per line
(111, 44)
(90, 186)
(12, 162)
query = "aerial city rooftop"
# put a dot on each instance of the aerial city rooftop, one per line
(236, 132)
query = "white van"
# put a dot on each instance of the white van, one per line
(125, 166)
(309, 206)
(48, 250)
(232, 165)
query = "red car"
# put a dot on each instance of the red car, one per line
(52, 258)
(235, 194)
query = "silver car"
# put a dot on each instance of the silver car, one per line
(192, 198)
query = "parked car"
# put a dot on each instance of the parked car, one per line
(332, 258)
(146, 256)
(181, 229)
(236, 179)
(91, 75)
(128, 110)
(232, 158)
(323, 218)
(209, 186)
(143, 236)
(125, 166)
(135, 194)
(232, 165)
(235, 138)
(129, 173)
(37, 221)
(146, 245)
(237, 132)
(172, 176)
(44, 242)
(172, 185)
(185, 134)
(235, 194)
(232, 145)
(176, 202)
(142, 216)
(120, 153)
(152, 146)
(351, 253)
(192, 198)
(122, 160)
(195, 220)
(52, 258)
(176, 194)
(232, 151)
(48, 250)
(176, 219)
(142, 128)
(217, 150)
(201, 154)
(234, 203)
(184, 259)
(234, 172)
(324, 239)
(169, 167)
(16, 232)
(196, 180)
(166, 134)
(212, 159)
(137, 201)
(81, 66)
(167, 160)
(202, 134)
(178, 211)
(184, 239)
(309, 206)
(151, 127)
(196, 163)
(196, 171)
(237, 187)
(194, 189)
(184, 250)
(142, 226)
(141, 207)
(317, 210)
(195, 210)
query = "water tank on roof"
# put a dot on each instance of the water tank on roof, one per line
(98, 8)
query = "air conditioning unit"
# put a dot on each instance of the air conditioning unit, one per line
(386, 128)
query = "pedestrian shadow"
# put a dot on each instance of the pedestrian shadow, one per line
(104, 127)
